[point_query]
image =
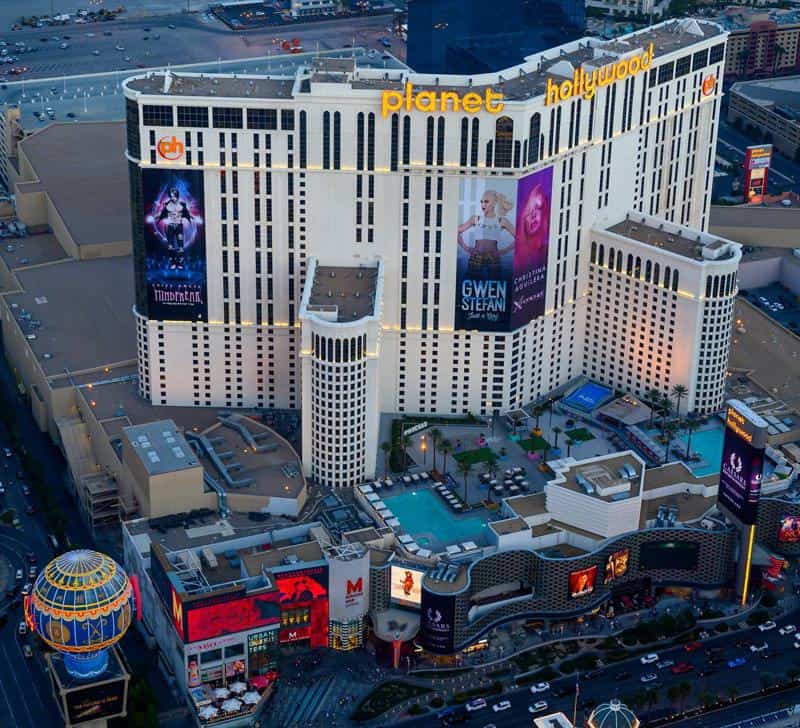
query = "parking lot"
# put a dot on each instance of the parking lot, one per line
(778, 302)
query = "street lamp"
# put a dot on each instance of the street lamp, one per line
(424, 447)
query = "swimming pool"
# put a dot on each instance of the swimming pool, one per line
(707, 444)
(423, 515)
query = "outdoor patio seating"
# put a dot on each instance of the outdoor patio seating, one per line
(424, 476)
(415, 478)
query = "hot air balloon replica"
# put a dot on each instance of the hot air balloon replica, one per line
(81, 605)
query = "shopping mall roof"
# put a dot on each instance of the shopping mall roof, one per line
(779, 95)
(77, 314)
(160, 447)
(83, 170)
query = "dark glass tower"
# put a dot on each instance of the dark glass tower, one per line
(479, 36)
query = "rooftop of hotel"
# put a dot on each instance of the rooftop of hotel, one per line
(346, 291)
(246, 457)
(611, 479)
(509, 525)
(160, 447)
(673, 239)
(21, 253)
(517, 83)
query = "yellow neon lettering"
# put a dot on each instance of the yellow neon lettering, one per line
(446, 96)
(491, 97)
(391, 101)
(471, 103)
(425, 101)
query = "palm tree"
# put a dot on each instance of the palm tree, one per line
(557, 431)
(446, 448)
(436, 437)
(386, 447)
(538, 411)
(679, 392)
(465, 468)
(652, 397)
(767, 679)
(516, 419)
(690, 425)
(569, 444)
(670, 428)
(707, 700)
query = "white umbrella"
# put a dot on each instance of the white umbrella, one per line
(221, 693)
(209, 712)
(232, 705)
(238, 687)
(251, 698)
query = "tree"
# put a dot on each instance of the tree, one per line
(707, 700)
(446, 448)
(557, 431)
(538, 411)
(767, 679)
(436, 437)
(570, 442)
(386, 447)
(670, 428)
(516, 420)
(691, 425)
(652, 397)
(684, 691)
(678, 393)
(491, 463)
(465, 468)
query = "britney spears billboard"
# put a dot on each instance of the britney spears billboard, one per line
(503, 243)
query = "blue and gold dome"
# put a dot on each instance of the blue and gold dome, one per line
(81, 602)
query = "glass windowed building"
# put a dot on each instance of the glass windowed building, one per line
(478, 36)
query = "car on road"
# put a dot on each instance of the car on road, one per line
(171, 26)
(32, 572)
(648, 678)
(540, 687)
(20, 574)
(692, 646)
(538, 707)
(648, 659)
(70, 115)
(664, 664)
(27, 651)
(2, 489)
(22, 628)
(737, 662)
(788, 629)
(476, 704)
(26, 491)
(706, 671)
(64, 46)
(26, 588)
(106, 32)
(156, 36)
(7, 452)
(759, 648)
(501, 706)
(681, 668)
(119, 47)
(767, 626)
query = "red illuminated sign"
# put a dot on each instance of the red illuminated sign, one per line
(170, 148)
(177, 613)
(582, 582)
(709, 84)
(236, 615)
(306, 588)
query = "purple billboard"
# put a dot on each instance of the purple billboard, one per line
(503, 238)
(175, 245)
(742, 462)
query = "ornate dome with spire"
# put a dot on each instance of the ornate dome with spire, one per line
(613, 714)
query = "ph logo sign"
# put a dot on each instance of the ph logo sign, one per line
(170, 148)
(709, 84)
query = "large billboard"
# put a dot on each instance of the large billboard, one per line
(790, 529)
(175, 244)
(406, 586)
(349, 587)
(437, 622)
(95, 702)
(742, 462)
(230, 617)
(582, 582)
(681, 555)
(304, 604)
(502, 238)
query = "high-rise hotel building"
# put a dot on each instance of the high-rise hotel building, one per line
(350, 241)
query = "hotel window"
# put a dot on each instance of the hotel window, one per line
(157, 115)
(717, 53)
(193, 116)
(287, 119)
(700, 60)
(533, 138)
(262, 119)
(225, 118)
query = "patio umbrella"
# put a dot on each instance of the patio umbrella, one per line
(221, 693)
(238, 687)
(208, 712)
(232, 705)
(251, 698)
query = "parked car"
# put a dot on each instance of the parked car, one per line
(538, 707)
(22, 628)
(501, 706)
(759, 648)
(737, 662)
(692, 646)
(681, 668)
(31, 557)
(20, 575)
(32, 572)
(26, 588)
(664, 664)
(648, 678)
(592, 674)
(27, 651)
(767, 626)
(540, 687)
(648, 659)
(788, 629)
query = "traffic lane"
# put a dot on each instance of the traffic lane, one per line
(611, 684)
(735, 138)
(189, 42)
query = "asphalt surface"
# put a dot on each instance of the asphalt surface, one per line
(195, 38)
(613, 683)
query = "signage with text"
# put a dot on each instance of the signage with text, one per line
(439, 101)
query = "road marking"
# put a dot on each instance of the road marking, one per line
(20, 692)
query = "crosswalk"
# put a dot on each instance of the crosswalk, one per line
(301, 706)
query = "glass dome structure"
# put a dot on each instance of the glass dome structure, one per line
(613, 714)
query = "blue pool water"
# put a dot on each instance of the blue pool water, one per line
(589, 396)
(708, 444)
(423, 512)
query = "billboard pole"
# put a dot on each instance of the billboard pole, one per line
(744, 564)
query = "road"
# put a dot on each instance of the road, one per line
(191, 39)
(614, 683)
(783, 172)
